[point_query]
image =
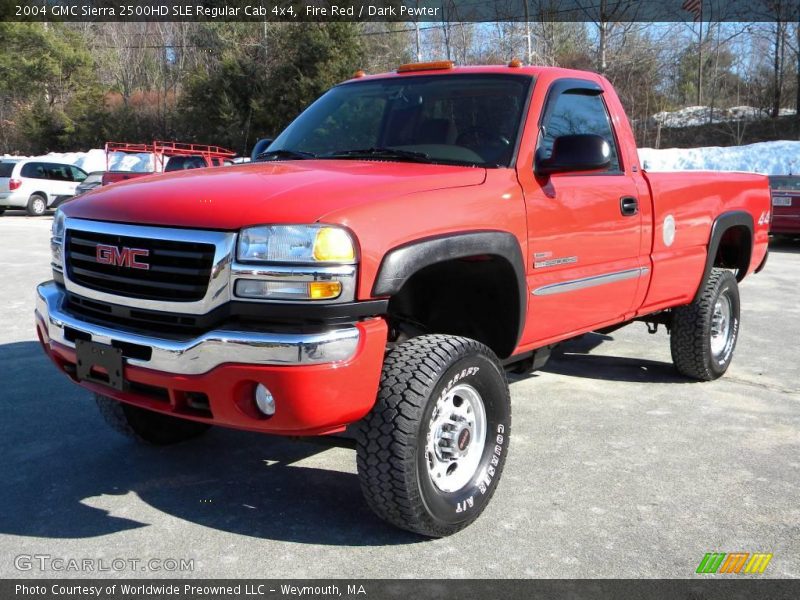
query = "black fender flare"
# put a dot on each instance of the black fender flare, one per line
(721, 224)
(400, 263)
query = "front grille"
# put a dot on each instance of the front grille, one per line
(178, 271)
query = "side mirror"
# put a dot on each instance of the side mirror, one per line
(579, 152)
(260, 146)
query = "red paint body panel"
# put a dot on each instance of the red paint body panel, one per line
(389, 204)
(254, 194)
(309, 400)
(695, 199)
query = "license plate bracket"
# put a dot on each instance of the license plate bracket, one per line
(92, 357)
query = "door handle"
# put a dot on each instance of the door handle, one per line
(628, 206)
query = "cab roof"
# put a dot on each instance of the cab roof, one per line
(530, 70)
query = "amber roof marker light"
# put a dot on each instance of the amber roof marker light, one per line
(358, 74)
(515, 63)
(438, 65)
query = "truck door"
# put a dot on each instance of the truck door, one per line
(584, 228)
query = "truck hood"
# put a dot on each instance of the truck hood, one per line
(230, 198)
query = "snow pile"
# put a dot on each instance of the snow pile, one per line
(95, 160)
(701, 115)
(769, 158)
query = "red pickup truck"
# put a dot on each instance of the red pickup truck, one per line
(405, 241)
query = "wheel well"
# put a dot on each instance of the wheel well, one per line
(734, 250)
(475, 297)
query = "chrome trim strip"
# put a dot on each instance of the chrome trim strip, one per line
(218, 291)
(587, 282)
(199, 355)
(346, 274)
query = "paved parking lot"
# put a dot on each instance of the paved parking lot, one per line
(618, 467)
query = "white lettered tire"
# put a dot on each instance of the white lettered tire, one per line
(704, 333)
(432, 450)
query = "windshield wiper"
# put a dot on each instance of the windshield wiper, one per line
(279, 154)
(389, 153)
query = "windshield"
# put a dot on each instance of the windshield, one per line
(460, 119)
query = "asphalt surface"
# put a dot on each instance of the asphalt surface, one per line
(618, 467)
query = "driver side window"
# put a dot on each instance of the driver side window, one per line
(576, 112)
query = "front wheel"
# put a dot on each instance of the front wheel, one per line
(704, 333)
(431, 451)
(37, 205)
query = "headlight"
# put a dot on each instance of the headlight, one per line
(296, 244)
(57, 240)
(295, 263)
(59, 220)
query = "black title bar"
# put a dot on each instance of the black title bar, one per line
(736, 588)
(401, 10)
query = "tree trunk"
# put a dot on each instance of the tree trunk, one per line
(700, 63)
(602, 39)
(797, 77)
(777, 81)
(528, 46)
(416, 32)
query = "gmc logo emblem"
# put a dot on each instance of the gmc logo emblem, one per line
(121, 257)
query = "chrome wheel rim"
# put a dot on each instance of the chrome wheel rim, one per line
(721, 326)
(456, 438)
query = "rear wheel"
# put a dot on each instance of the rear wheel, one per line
(2, 210)
(704, 333)
(431, 451)
(145, 425)
(37, 205)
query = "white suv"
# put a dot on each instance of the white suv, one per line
(36, 185)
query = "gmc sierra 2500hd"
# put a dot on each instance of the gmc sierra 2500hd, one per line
(404, 241)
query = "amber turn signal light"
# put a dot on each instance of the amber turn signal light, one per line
(321, 290)
(426, 66)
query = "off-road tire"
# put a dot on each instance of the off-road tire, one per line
(37, 205)
(690, 339)
(145, 425)
(392, 439)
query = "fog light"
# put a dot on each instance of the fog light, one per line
(264, 400)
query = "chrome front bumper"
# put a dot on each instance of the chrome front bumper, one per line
(201, 354)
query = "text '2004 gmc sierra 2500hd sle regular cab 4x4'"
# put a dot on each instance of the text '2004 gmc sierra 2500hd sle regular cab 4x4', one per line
(404, 241)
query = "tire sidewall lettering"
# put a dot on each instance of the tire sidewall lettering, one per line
(457, 506)
(721, 364)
